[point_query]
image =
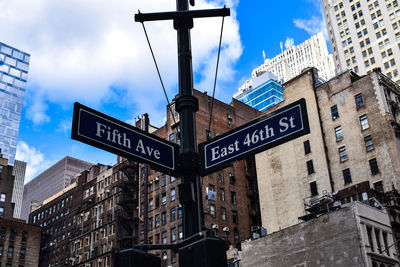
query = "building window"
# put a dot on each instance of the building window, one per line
(172, 216)
(373, 164)
(173, 234)
(163, 218)
(1, 250)
(1, 211)
(151, 204)
(310, 167)
(235, 218)
(22, 253)
(339, 133)
(179, 212)
(368, 143)
(223, 214)
(24, 237)
(335, 112)
(172, 194)
(233, 197)
(2, 197)
(369, 233)
(212, 210)
(221, 176)
(180, 231)
(231, 179)
(164, 198)
(313, 188)
(13, 234)
(164, 237)
(10, 252)
(157, 221)
(347, 176)
(307, 147)
(163, 180)
(364, 122)
(171, 137)
(150, 224)
(172, 179)
(222, 194)
(342, 154)
(359, 100)
(2, 232)
(378, 186)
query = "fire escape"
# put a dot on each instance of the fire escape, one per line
(127, 215)
(252, 193)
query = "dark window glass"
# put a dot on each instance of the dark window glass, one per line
(373, 164)
(342, 154)
(1, 250)
(22, 253)
(232, 179)
(163, 180)
(172, 215)
(233, 197)
(150, 224)
(359, 100)
(364, 122)
(368, 143)
(378, 186)
(13, 234)
(339, 133)
(10, 252)
(164, 218)
(313, 188)
(346, 176)
(307, 147)
(179, 212)
(310, 167)
(335, 112)
(235, 218)
(369, 233)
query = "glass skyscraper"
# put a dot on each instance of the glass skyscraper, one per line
(261, 93)
(14, 66)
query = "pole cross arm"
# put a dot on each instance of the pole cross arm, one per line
(190, 14)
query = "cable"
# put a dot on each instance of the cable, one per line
(159, 75)
(216, 74)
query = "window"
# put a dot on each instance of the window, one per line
(172, 194)
(231, 179)
(373, 164)
(1, 250)
(179, 212)
(2, 232)
(150, 225)
(1, 211)
(163, 180)
(233, 197)
(221, 176)
(157, 221)
(22, 253)
(364, 122)
(10, 252)
(339, 133)
(164, 198)
(171, 137)
(164, 237)
(307, 147)
(151, 204)
(173, 234)
(163, 218)
(221, 194)
(359, 100)
(378, 186)
(347, 176)
(2, 197)
(172, 179)
(313, 188)
(212, 210)
(235, 218)
(385, 242)
(310, 167)
(342, 154)
(157, 201)
(369, 146)
(172, 216)
(223, 214)
(369, 233)
(335, 112)
(180, 231)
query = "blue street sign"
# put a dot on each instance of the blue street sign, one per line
(261, 134)
(102, 131)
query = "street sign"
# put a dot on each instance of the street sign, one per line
(97, 129)
(261, 134)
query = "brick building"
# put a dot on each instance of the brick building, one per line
(19, 242)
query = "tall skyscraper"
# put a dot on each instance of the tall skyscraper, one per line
(14, 66)
(288, 64)
(364, 35)
(261, 92)
(51, 181)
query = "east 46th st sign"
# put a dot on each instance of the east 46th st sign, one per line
(261, 134)
(102, 131)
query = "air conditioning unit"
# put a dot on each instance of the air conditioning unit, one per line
(214, 226)
(225, 229)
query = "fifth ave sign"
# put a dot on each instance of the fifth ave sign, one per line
(261, 134)
(102, 131)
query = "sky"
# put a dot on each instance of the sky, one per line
(93, 52)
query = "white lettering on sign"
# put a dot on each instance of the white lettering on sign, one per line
(112, 135)
(216, 152)
(147, 150)
(283, 123)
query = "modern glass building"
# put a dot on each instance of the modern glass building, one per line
(263, 93)
(14, 66)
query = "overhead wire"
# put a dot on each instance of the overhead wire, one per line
(216, 73)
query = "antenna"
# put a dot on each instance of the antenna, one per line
(264, 55)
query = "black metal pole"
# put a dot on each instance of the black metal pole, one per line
(187, 105)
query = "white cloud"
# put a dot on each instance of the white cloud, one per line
(36, 163)
(81, 49)
(313, 25)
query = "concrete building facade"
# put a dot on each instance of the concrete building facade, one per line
(291, 62)
(364, 35)
(355, 235)
(51, 181)
(354, 138)
(18, 191)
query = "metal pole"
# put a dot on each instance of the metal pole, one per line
(187, 105)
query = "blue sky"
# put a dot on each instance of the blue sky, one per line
(92, 51)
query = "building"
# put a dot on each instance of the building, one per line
(352, 147)
(364, 35)
(109, 209)
(261, 92)
(51, 181)
(18, 240)
(18, 191)
(291, 62)
(14, 66)
(355, 235)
